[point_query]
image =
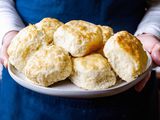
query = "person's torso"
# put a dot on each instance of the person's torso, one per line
(19, 103)
(119, 14)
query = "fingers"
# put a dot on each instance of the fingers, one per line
(156, 54)
(4, 54)
(139, 87)
(148, 41)
(1, 61)
(152, 45)
(6, 42)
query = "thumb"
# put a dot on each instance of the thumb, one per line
(139, 87)
(6, 42)
(1, 61)
(4, 54)
(155, 53)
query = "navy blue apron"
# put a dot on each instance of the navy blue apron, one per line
(18, 103)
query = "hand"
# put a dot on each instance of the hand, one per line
(6, 42)
(151, 44)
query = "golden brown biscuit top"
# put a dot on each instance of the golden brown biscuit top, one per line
(107, 32)
(28, 35)
(50, 57)
(32, 32)
(83, 37)
(83, 28)
(92, 62)
(50, 23)
(130, 44)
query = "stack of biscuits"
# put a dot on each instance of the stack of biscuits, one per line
(90, 55)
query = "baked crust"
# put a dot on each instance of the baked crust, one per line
(107, 32)
(49, 25)
(48, 65)
(92, 72)
(25, 43)
(79, 37)
(126, 55)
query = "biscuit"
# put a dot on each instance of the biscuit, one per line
(79, 37)
(126, 55)
(107, 32)
(92, 72)
(49, 25)
(25, 43)
(48, 65)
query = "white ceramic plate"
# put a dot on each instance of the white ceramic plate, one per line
(67, 89)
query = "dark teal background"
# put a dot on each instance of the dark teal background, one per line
(119, 14)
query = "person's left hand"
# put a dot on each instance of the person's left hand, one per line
(151, 44)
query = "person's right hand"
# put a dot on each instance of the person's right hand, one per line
(6, 42)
